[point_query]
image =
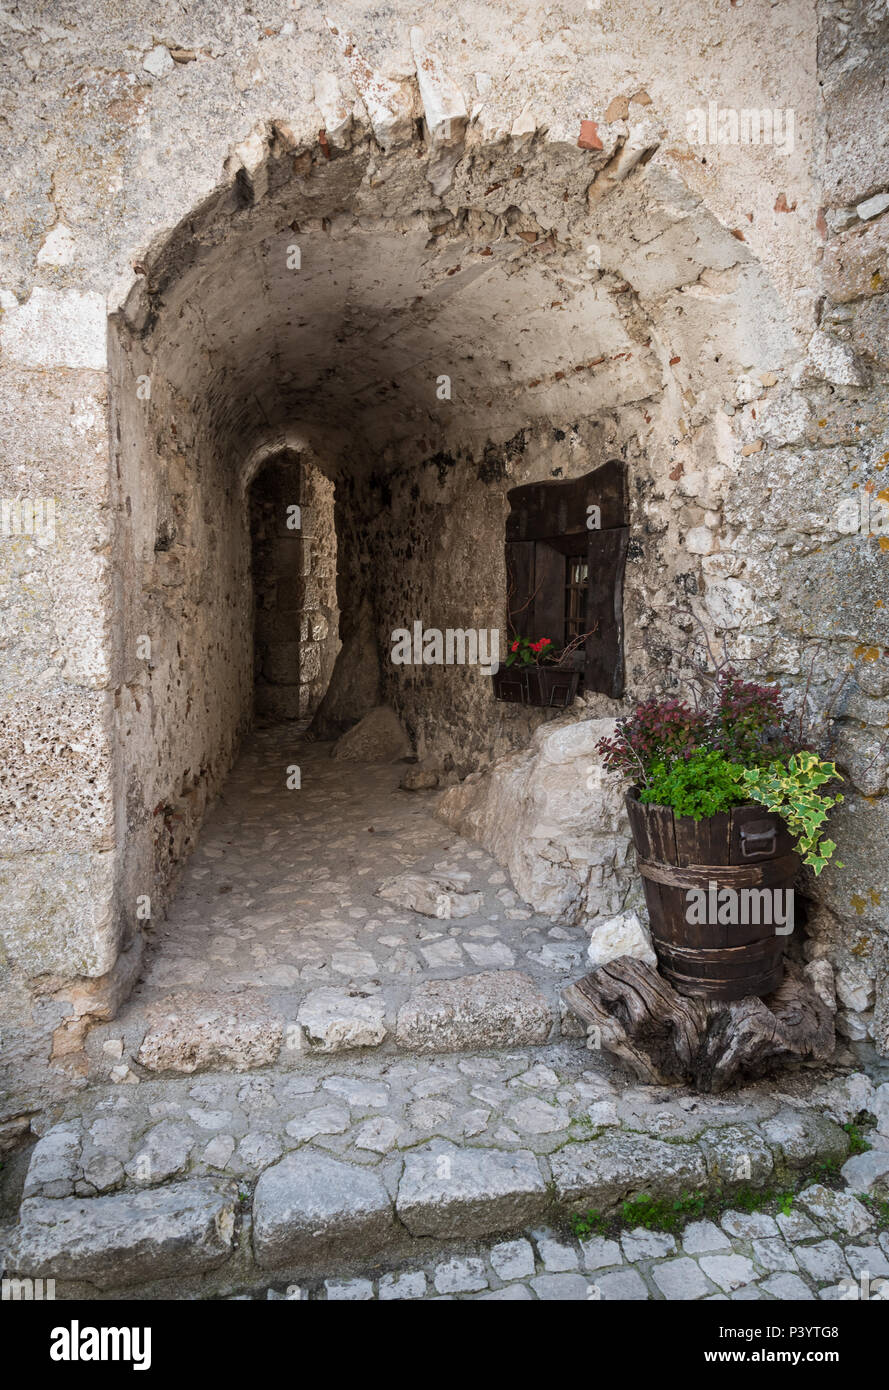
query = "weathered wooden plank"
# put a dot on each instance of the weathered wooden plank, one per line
(549, 599)
(639, 825)
(703, 841)
(744, 847)
(520, 586)
(661, 833)
(558, 506)
(760, 875)
(606, 558)
(665, 1038)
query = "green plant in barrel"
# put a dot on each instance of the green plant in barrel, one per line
(733, 747)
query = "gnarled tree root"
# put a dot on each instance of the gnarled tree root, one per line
(666, 1038)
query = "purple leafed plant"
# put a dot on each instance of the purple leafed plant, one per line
(743, 721)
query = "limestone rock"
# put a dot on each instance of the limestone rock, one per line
(836, 1209)
(844, 1098)
(852, 1026)
(54, 1164)
(820, 976)
(377, 738)
(434, 895)
(12, 1131)
(499, 1008)
(555, 820)
(104, 1172)
(445, 112)
(868, 1172)
(855, 989)
(832, 360)
(309, 1207)
(164, 1153)
(127, 1238)
(443, 105)
(423, 777)
(617, 1165)
(335, 113)
(514, 1259)
(56, 328)
(194, 1030)
(854, 263)
(388, 104)
(58, 246)
(250, 159)
(623, 935)
(798, 1137)
(334, 1019)
(448, 1192)
(159, 61)
(737, 1154)
(354, 687)
(378, 1135)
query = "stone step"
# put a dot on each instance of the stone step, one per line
(185, 1228)
(194, 1031)
(827, 1247)
(284, 1180)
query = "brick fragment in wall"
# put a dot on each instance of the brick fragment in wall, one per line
(855, 262)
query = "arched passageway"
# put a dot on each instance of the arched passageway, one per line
(329, 333)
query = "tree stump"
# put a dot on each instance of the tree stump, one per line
(666, 1038)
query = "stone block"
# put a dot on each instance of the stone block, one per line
(452, 1192)
(310, 1207)
(127, 1238)
(603, 1172)
(377, 738)
(499, 1008)
(334, 1019)
(195, 1030)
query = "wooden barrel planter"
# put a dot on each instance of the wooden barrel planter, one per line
(746, 848)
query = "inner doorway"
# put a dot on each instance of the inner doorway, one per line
(295, 614)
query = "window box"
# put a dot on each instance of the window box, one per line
(543, 686)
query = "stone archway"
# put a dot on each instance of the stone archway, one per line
(293, 544)
(439, 309)
(434, 356)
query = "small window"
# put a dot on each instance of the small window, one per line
(566, 546)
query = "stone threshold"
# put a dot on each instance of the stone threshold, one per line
(191, 1031)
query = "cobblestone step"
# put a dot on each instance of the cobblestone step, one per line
(282, 1176)
(744, 1256)
(196, 1031)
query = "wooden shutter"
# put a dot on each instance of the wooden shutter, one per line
(604, 648)
(556, 510)
(549, 596)
(535, 575)
(520, 586)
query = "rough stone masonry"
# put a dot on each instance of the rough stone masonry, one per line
(401, 270)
